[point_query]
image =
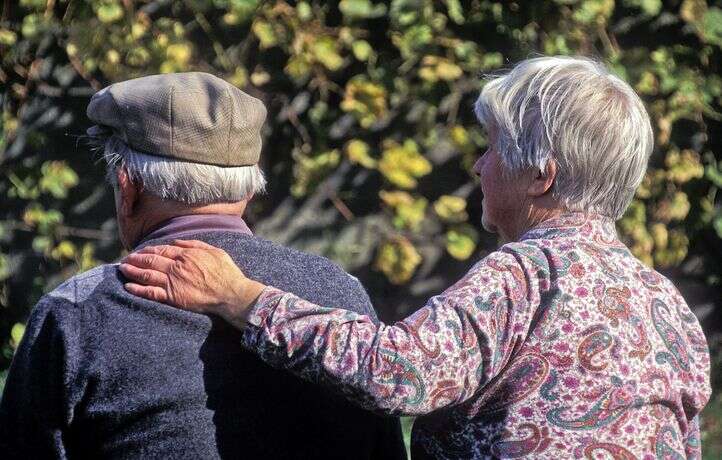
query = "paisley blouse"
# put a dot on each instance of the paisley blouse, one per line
(559, 345)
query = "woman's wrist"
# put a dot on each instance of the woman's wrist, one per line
(242, 298)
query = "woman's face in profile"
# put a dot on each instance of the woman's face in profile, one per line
(503, 196)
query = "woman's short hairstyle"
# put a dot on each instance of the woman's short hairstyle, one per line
(575, 112)
(182, 181)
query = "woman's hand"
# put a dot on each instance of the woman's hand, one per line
(194, 276)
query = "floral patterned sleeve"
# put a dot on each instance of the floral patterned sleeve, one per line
(439, 356)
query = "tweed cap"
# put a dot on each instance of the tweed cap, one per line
(190, 116)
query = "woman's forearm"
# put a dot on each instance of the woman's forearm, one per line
(392, 369)
(435, 358)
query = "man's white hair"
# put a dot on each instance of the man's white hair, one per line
(576, 113)
(182, 181)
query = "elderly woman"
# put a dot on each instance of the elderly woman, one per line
(559, 344)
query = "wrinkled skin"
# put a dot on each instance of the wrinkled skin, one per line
(194, 276)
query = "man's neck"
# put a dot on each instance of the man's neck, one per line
(155, 212)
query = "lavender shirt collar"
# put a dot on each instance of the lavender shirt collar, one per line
(185, 226)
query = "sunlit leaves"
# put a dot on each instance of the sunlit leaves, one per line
(109, 11)
(683, 166)
(325, 51)
(597, 11)
(408, 211)
(456, 12)
(178, 55)
(44, 220)
(397, 259)
(364, 99)
(451, 209)
(402, 164)
(265, 33)
(309, 170)
(712, 26)
(65, 250)
(361, 9)
(56, 178)
(7, 37)
(361, 50)
(693, 10)
(358, 152)
(16, 334)
(461, 241)
(435, 68)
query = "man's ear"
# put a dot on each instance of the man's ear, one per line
(542, 182)
(129, 193)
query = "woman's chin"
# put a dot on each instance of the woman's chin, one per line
(488, 226)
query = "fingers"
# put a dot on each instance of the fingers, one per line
(149, 292)
(164, 250)
(144, 276)
(193, 244)
(149, 261)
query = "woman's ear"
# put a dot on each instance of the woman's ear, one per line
(129, 193)
(543, 181)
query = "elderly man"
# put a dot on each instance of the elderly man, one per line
(103, 374)
(560, 344)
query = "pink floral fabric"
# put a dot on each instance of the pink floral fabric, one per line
(560, 345)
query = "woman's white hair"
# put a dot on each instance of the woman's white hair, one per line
(575, 112)
(182, 181)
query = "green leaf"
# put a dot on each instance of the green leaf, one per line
(402, 165)
(461, 241)
(456, 13)
(264, 32)
(358, 152)
(714, 174)
(7, 37)
(57, 178)
(361, 9)
(325, 51)
(451, 208)
(361, 50)
(303, 9)
(16, 334)
(109, 12)
(31, 25)
(712, 26)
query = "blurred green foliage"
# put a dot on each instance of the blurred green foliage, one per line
(370, 136)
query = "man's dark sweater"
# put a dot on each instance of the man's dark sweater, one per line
(101, 373)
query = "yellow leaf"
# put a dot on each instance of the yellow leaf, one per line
(398, 260)
(264, 32)
(325, 51)
(179, 53)
(461, 241)
(365, 100)
(16, 334)
(403, 164)
(358, 152)
(64, 250)
(451, 208)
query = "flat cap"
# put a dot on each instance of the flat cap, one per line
(190, 116)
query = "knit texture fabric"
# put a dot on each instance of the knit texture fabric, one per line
(104, 374)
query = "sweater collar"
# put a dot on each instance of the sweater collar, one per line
(184, 226)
